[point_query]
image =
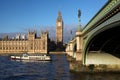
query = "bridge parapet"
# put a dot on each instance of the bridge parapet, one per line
(102, 13)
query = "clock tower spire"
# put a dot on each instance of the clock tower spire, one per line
(59, 29)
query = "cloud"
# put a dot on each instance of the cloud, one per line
(67, 35)
(68, 32)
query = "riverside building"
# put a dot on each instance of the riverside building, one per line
(20, 44)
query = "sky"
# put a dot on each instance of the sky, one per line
(21, 15)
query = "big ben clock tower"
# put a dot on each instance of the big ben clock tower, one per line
(59, 29)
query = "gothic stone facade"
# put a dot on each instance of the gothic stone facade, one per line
(32, 44)
(59, 29)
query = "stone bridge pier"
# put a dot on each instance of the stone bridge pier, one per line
(70, 50)
(79, 45)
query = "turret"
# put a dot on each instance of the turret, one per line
(32, 35)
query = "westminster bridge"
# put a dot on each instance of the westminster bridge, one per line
(99, 41)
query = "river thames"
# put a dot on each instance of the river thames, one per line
(57, 69)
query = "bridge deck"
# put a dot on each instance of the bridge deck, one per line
(101, 58)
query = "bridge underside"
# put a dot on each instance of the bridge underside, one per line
(105, 47)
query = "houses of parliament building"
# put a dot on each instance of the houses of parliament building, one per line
(31, 44)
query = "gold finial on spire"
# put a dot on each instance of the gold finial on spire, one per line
(59, 14)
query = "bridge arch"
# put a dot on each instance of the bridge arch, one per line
(106, 39)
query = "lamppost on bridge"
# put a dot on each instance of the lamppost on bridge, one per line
(79, 24)
(79, 39)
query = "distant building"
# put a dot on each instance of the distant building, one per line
(32, 44)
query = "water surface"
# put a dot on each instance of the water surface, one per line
(57, 69)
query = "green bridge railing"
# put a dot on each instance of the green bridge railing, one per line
(106, 9)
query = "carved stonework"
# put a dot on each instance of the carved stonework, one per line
(59, 29)
(31, 45)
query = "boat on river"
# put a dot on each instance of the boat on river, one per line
(38, 57)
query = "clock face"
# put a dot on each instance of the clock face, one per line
(59, 23)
